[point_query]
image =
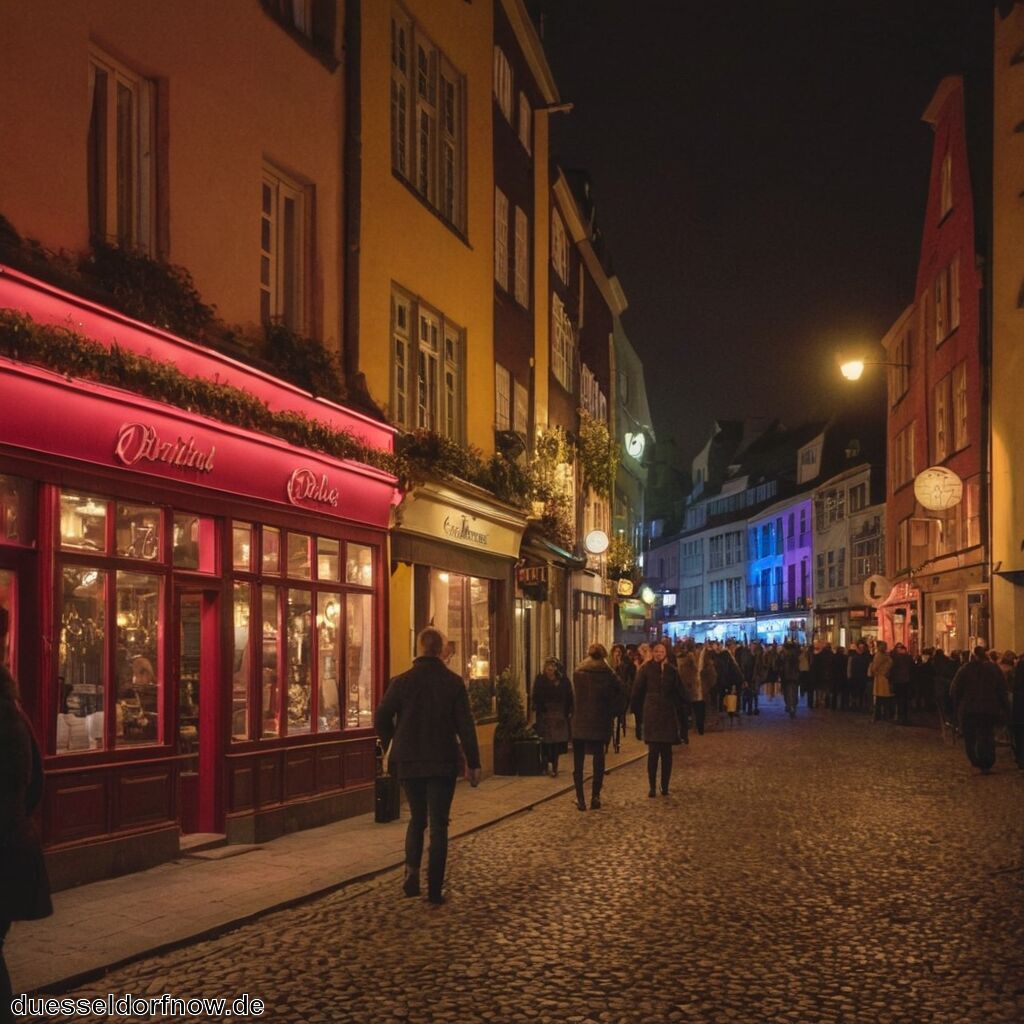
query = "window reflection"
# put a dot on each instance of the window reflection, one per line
(194, 543)
(17, 510)
(270, 674)
(190, 612)
(83, 522)
(299, 564)
(328, 559)
(328, 622)
(299, 670)
(359, 565)
(240, 729)
(271, 550)
(137, 712)
(359, 660)
(137, 531)
(460, 609)
(241, 546)
(81, 662)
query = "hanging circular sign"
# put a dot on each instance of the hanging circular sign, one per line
(938, 488)
(647, 595)
(596, 542)
(635, 444)
(625, 588)
(876, 589)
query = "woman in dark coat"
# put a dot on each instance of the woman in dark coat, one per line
(659, 699)
(24, 887)
(552, 702)
(623, 667)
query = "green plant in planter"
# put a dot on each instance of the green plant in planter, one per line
(481, 699)
(512, 725)
(599, 454)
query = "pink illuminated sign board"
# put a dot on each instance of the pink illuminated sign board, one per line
(43, 412)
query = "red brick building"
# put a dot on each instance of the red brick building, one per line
(940, 596)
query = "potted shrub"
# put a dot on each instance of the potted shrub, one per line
(516, 746)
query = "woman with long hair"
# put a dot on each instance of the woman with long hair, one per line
(24, 886)
(658, 697)
(552, 703)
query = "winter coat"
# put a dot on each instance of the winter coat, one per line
(426, 712)
(790, 668)
(552, 702)
(762, 665)
(881, 666)
(690, 678)
(626, 671)
(860, 662)
(821, 669)
(597, 693)
(709, 677)
(24, 884)
(745, 660)
(902, 672)
(658, 698)
(729, 673)
(978, 689)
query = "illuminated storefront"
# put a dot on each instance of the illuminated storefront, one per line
(742, 630)
(195, 611)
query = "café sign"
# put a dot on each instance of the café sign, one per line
(137, 442)
(305, 485)
(458, 527)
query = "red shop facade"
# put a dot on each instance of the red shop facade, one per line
(195, 612)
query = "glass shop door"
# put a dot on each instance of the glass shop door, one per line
(194, 679)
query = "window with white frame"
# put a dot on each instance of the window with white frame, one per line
(520, 408)
(427, 135)
(501, 238)
(121, 158)
(522, 259)
(563, 344)
(946, 186)
(427, 361)
(559, 247)
(592, 398)
(502, 397)
(503, 83)
(858, 497)
(903, 457)
(525, 122)
(960, 434)
(282, 250)
(941, 417)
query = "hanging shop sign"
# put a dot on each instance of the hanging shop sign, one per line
(876, 590)
(532, 575)
(938, 488)
(596, 542)
(139, 441)
(624, 588)
(305, 485)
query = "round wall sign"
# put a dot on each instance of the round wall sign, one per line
(876, 590)
(635, 444)
(596, 542)
(938, 488)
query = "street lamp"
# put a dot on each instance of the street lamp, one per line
(853, 369)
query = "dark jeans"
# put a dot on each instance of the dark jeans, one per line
(980, 739)
(659, 752)
(901, 696)
(699, 711)
(580, 749)
(429, 799)
(550, 752)
(884, 708)
(6, 995)
(791, 695)
(1017, 737)
(748, 701)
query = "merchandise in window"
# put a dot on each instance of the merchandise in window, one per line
(81, 662)
(8, 620)
(271, 550)
(359, 661)
(17, 510)
(190, 636)
(298, 661)
(240, 662)
(137, 532)
(328, 559)
(460, 609)
(83, 522)
(270, 674)
(138, 690)
(359, 565)
(328, 621)
(241, 546)
(193, 543)
(299, 561)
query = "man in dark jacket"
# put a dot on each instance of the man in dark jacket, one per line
(426, 712)
(860, 683)
(901, 678)
(597, 695)
(979, 698)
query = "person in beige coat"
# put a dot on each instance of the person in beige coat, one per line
(881, 667)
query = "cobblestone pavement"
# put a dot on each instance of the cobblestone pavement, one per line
(822, 870)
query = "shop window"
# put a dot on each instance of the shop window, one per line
(460, 609)
(359, 660)
(359, 565)
(81, 659)
(299, 560)
(241, 615)
(190, 637)
(271, 550)
(328, 620)
(83, 522)
(8, 620)
(194, 545)
(241, 546)
(138, 697)
(137, 532)
(328, 559)
(270, 674)
(298, 661)
(17, 510)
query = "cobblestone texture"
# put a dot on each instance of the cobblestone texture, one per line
(824, 870)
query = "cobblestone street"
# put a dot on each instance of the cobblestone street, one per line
(822, 870)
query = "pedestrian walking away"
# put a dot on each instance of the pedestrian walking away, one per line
(981, 703)
(881, 666)
(901, 679)
(693, 689)
(24, 886)
(425, 711)
(624, 667)
(552, 703)
(658, 693)
(791, 676)
(596, 692)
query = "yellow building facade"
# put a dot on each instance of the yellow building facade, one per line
(1008, 332)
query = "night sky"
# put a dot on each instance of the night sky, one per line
(760, 171)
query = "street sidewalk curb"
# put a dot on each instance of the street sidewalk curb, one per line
(73, 981)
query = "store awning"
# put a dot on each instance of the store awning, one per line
(542, 549)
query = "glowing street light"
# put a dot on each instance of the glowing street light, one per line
(852, 369)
